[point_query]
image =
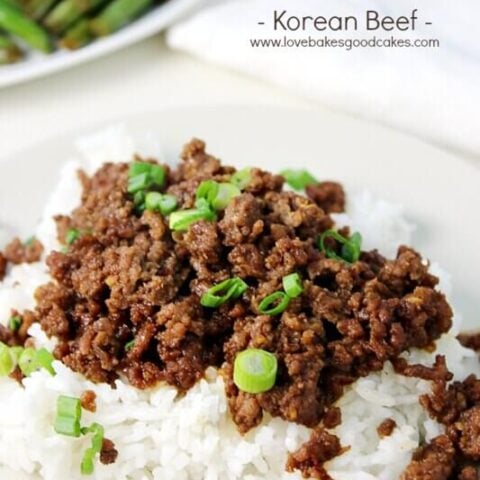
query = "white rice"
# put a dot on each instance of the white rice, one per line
(162, 437)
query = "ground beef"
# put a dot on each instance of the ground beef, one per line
(386, 428)
(455, 455)
(109, 453)
(18, 252)
(330, 196)
(311, 456)
(470, 340)
(88, 400)
(432, 462)
(3, 266)
(125, 297)
(332, 417)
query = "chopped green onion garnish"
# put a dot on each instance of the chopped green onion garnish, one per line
(292, 284)
(136, 168)
(152, 200)
(255, 370)
(71, 236)
(207, 190)
(216, 195)
(44, 359)
(142, 175)
(241, 178)
(7, 364)
(139, 198)
(298, 179)
(157, 176)
(27, 361)
(167, 204)
(226, 191)
(129, 345)
(138, 183)
(274, 304)
(87, 465)
(220, 293)
(31, 360)
(351, 247)
(182, 219)
(16, 352)
(14, 323)
(158, 202)
(69, 413)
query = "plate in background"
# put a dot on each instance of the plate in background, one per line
(38, 65)
(439, 191)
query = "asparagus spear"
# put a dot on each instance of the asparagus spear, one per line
(116, 15)
(67, 12)
(37, 9)
(14, 3)
(9, 51)
(76, 36)
(15, 22)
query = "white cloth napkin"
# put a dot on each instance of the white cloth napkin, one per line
(433, 93)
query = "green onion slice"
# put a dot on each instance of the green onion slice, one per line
(163, 203)
(16, 352)
(241, 178)
(298, 179)
(139, 198)
(31, 360)
(27, 361)
(220, 293)
(137, 168)
(44, 359)
(138, 183)
(157, 176)
(129, 345)
(71, 236)
(255, 370)
(142, 175)
(87, 465)
(69, 413)
(351, 247)
(292, 284)
(7, 364)
(274, 304)
(14, 323)
(182, 219)
(207, 190)
(216, 195)
(225, 193)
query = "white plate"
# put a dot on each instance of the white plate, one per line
(440, 192)
(38, 65)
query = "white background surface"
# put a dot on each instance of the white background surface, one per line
(146, 76)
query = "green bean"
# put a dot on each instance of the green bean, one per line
(9, 51)
(37, 9)
(67, 12)
(116, 15)
(76, 36)
(14, 21)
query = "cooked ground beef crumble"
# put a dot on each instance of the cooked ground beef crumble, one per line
(17, 252)
(125, 300)
(386, 428)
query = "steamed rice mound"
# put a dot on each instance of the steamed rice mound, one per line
(161, 434)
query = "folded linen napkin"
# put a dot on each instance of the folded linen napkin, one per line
(432, 92)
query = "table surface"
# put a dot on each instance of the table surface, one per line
(145, 77)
